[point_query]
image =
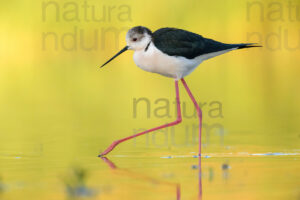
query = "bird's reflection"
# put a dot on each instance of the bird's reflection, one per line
(199, 178)
(143, 177)
(154, 180)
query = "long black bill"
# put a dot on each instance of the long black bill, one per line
(124, 49)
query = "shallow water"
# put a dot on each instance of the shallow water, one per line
(157, 175)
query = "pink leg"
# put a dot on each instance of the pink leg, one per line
(177, 121)
(199, 112)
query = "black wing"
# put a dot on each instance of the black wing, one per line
(178, 42)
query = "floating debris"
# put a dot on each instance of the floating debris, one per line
(194, 167)
(1, 185)
(166, 157)
(274, 154)
(75, 184)
(225, 166)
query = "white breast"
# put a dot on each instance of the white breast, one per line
(153, 60)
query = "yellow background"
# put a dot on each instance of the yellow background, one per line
(58, 109)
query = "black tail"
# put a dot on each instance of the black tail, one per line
(248, 45)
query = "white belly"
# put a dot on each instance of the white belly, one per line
(153, 60)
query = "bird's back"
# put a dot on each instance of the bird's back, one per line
(178, 42)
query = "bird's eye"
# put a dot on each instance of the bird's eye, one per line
(134, 39)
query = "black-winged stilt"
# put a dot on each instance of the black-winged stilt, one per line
(173, 53)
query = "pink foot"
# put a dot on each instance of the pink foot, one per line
(109, 149)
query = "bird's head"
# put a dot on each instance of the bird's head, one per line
(137, 38)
